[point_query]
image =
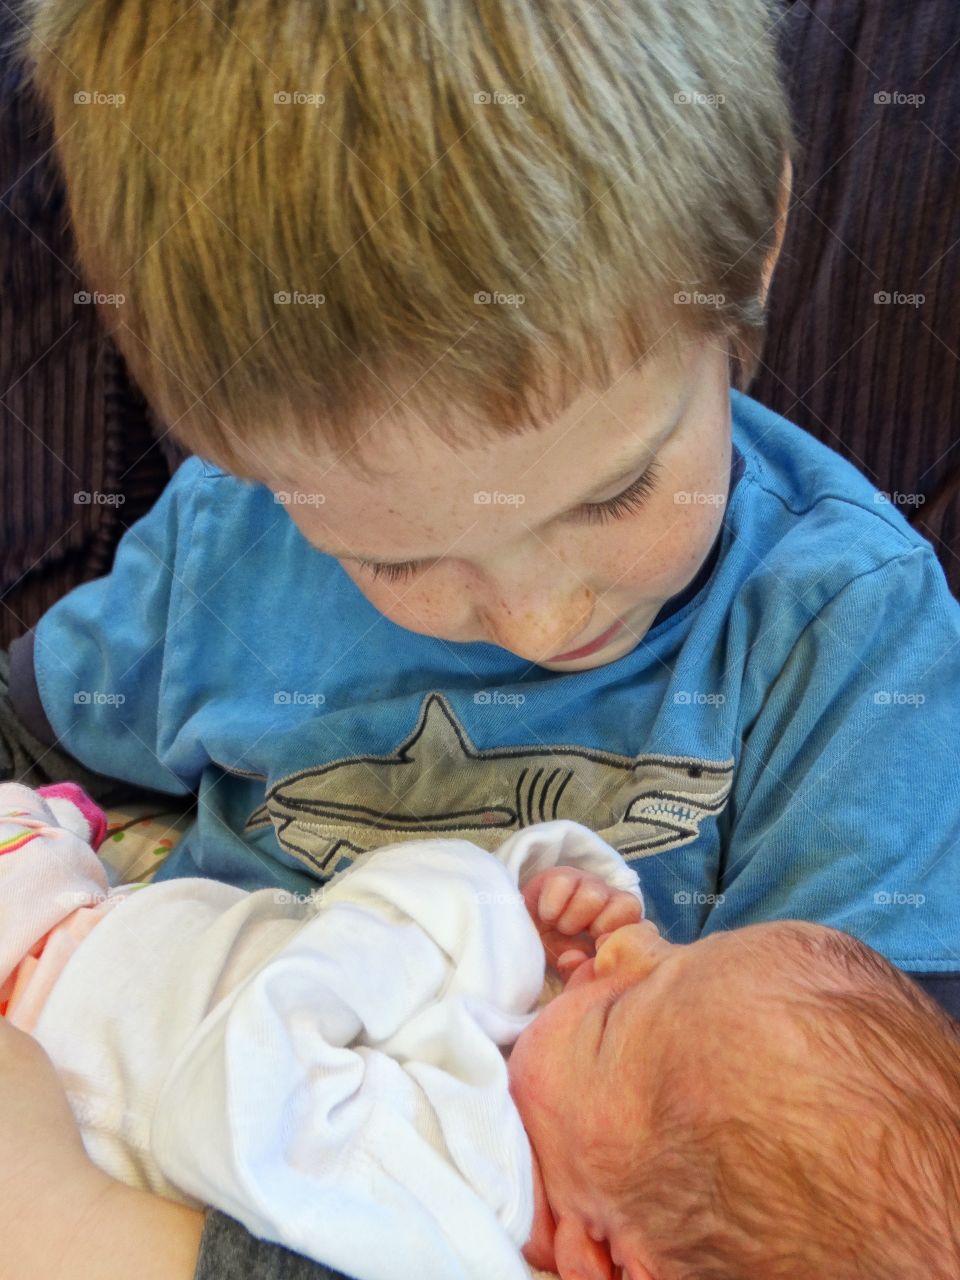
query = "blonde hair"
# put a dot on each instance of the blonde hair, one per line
(848, 1167)
(593, 160)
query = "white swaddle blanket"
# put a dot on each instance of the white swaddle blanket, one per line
(328, 1070)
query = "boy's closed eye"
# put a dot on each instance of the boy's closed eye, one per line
(622, 504)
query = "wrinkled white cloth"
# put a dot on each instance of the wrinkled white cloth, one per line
(328, 1070)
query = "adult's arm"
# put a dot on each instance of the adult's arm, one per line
(67, 1220)
(120, 1231)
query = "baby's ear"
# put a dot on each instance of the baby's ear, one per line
(636, 1271)
(578, 1257)
(631, 1268)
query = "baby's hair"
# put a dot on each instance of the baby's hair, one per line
(490, 200)
(848, 1168)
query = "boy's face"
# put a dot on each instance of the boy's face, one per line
(512, 544)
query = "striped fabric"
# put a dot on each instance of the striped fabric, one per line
(876, 209)
(70, 420)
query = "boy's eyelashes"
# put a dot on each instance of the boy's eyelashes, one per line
(393, 572)
(625, 503)
(631, 499)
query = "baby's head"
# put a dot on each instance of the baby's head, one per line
(770, 1103)
(445, 277)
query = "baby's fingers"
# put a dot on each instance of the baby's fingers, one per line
(547, 894)
(623, 908)
(565, 953)
(587, 902)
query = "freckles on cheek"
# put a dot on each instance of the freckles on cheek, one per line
(423, 605)
(645, 552)
(418, 608)
(660, 551)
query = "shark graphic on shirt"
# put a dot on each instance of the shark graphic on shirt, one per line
(438, 784)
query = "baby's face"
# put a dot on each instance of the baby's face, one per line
(581, 1072)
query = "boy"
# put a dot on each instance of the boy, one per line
(663, 612)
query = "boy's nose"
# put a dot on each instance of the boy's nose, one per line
(536, 624)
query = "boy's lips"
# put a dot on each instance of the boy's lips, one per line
(592, 647)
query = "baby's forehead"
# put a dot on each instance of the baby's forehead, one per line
(789, 938)
(757, 966)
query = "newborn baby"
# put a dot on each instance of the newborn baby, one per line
(330, 1070)
(719, 1111)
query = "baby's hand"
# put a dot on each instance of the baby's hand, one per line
(573, 911)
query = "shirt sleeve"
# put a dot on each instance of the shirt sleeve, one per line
(26, 753)
(104, 655)
(845, 808)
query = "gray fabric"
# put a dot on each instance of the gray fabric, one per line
(26, 758)
(24, 694)
(944, 988)
(229, 1252)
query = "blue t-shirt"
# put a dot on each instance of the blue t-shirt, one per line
(781, 743)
